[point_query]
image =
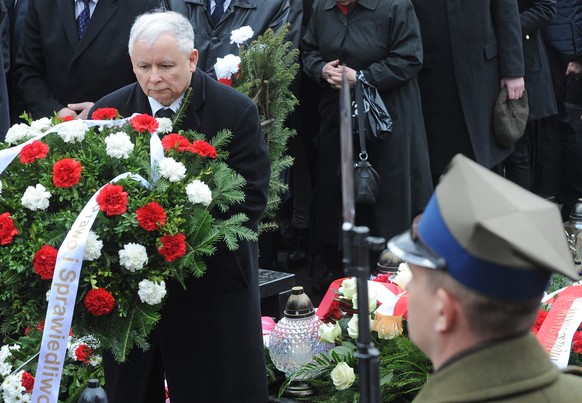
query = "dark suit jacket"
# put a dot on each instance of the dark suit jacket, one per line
(54, 68)
(535, 15)
(469, 46)
(210, 335)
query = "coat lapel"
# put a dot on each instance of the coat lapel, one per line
(192, 120)
(69, 21)
(104, 11)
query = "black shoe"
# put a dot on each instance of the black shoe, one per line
(300, 250)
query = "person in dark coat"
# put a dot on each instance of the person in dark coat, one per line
(472, 48)
(208, 343)
(558, 171)
(4, 64)
(213, 41)
(534, 15)
(380, 38)
(57, 71)
(481, 256)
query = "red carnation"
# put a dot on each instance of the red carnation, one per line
(151, 216)
(66, 173)
(144, 123)
(173, 246)
(99, 302)
(33, 151)
(226, 81)
(105, 114)
(577, 342)
(7, 229)
(539, 321)
(67, 118)
(112, 200)
(44, 262)
(83, 353)
(202, 148)
(27, 381)
(173, 140)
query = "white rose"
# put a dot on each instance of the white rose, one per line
(19, 133)
(41, 124)
(133, 256)
(329, 332)
(93, 247)
(348, 287)
(151, 292)
(172, 170)
(199, 192)
(343, 376)
(372, 300)
(73, 131)
(118, 145)
(95, 360)
(36, 198)
(164, 125)
(241, 35)
(403, 276)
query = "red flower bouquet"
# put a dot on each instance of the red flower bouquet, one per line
(84, 201)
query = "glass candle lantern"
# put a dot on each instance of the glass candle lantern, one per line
(295, 339)
(574, 232)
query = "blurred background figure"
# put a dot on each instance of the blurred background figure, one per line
(558, 168)
(4, 66)
(534, 15)
(355, 34)
(64, 66)
(472, 48)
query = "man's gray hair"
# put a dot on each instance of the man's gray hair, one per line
(148, 27)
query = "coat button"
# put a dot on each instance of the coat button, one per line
(527, 37)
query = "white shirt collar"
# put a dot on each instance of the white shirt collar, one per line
(156, 106)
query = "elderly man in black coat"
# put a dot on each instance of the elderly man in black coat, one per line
(472, 48)
(208, 343)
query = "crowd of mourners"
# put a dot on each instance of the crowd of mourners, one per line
(437, 65)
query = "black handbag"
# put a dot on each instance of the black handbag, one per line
(378, 122)
(366, 179)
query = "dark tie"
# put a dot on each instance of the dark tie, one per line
(165, 113)
(83, 18)
(217, 13)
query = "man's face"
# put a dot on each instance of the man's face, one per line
(421, 301)
(163, 70)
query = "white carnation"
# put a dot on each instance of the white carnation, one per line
(36, 198)
(241, 35)
(95, 360)
(164, 125)
(41, 124)
(12, 389)
(199, 192)
(5, 354)
(226, 66)
(118, 145)
(19, 133)
(133, 256)
(93, 247)
(172, 170)
(151, 292)
(73, 131)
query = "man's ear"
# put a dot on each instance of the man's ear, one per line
(447, 310)
(193, 60)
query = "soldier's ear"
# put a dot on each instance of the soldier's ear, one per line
(447, 311)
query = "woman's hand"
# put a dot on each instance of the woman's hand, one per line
(332, 72)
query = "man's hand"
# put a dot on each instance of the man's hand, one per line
(332, 72)
(574, 69)
(515, 86)
(82, 109)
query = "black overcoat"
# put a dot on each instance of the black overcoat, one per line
(535, 15)
(54, 68)
(381, 38)
(210, 337)
(469, 46)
